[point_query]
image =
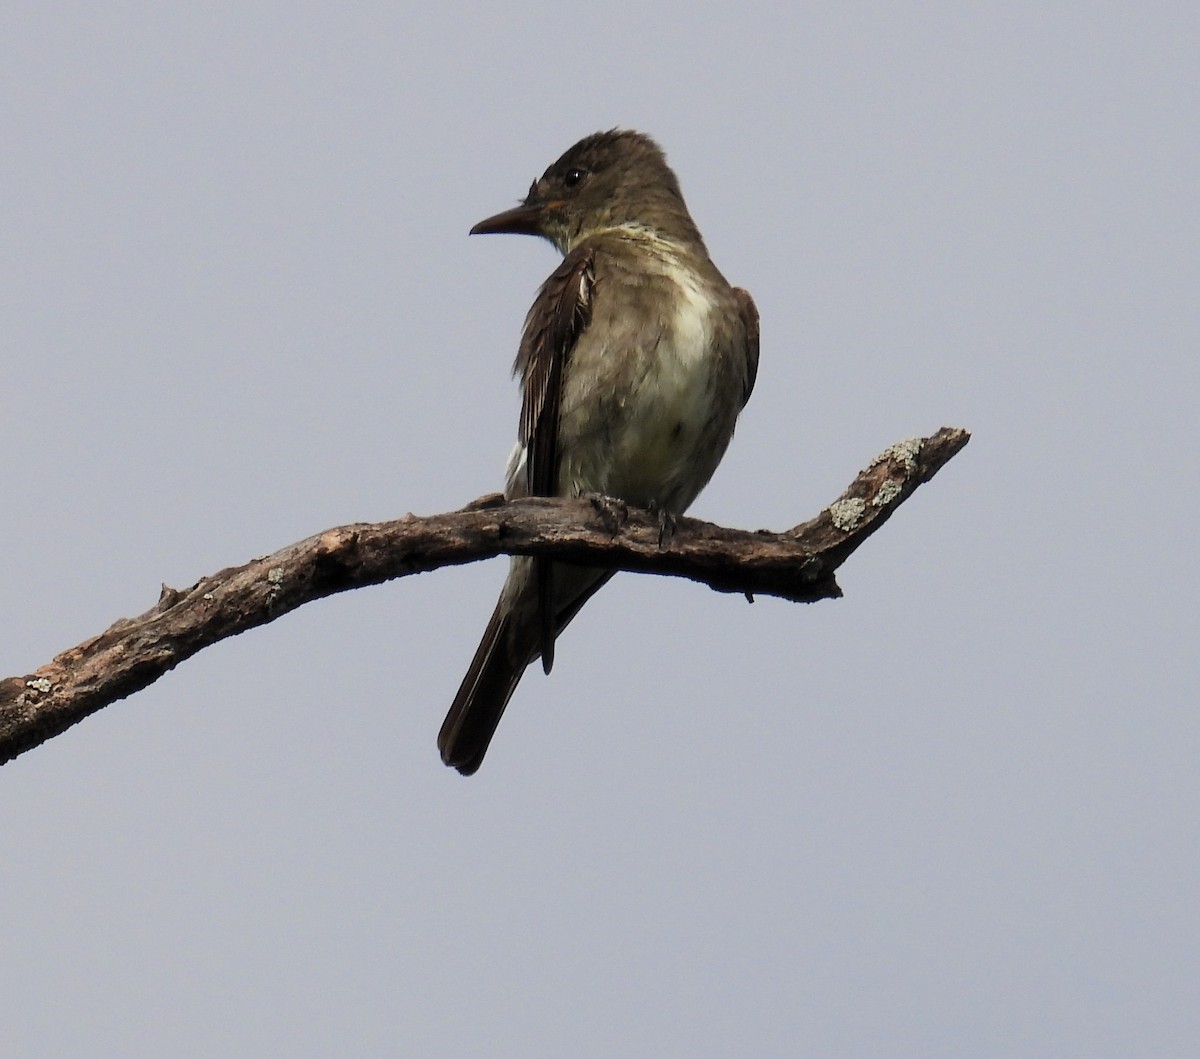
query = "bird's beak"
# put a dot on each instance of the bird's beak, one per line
(521, 220)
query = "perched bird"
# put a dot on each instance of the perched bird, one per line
(636, 358)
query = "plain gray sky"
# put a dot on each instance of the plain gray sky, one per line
(953, 814)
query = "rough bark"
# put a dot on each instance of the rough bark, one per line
(797, 564)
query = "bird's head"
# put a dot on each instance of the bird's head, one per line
(615, 179)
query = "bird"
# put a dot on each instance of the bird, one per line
(635, 361)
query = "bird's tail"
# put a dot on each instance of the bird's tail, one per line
(510, 643)
(490, 681)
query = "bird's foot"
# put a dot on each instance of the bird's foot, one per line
(613, 513)
(666, 523)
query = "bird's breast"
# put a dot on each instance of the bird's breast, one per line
(644, 419)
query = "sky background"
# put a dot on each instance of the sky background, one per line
(952, 814)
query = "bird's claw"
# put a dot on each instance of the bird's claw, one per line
(666, 524)
(613, 513)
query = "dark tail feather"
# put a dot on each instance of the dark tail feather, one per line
(510, 643)
(482, 696)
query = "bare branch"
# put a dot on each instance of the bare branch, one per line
(797, 564)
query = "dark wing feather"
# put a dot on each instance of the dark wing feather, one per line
(749, 314)
(559, 315)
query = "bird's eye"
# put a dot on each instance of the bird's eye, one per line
(574, 177)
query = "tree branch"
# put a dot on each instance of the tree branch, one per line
(797, 564)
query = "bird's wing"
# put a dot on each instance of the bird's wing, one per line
(749, 314)
(559, 315)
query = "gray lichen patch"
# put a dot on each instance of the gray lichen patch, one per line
(847, 514)
(906, 452)
(888, 492)
(275, 580)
